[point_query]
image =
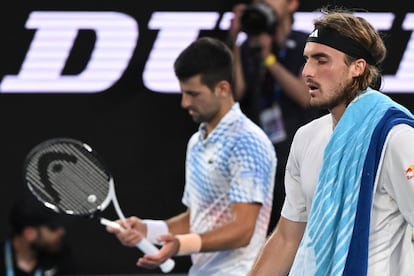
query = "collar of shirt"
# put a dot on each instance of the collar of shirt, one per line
(232, 116)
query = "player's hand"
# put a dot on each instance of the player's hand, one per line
(170, 248)
(134, 231)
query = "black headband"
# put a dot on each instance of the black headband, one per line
(334, 39)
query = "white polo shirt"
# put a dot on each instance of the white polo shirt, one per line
(391, 245)
(235, 163)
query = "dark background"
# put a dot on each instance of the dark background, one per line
(142, 135)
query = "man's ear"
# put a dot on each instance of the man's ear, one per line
(358, 67)
(223, 88)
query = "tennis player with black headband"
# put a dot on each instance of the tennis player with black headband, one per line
(350, 174)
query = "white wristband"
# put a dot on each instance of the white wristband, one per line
(189, 243)
(155, 228)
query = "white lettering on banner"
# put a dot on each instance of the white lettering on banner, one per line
(116, 38)
(403, 80)
(176, 31)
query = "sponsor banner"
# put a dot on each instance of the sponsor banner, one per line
(57, 42)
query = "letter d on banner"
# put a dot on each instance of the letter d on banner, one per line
(116, 38)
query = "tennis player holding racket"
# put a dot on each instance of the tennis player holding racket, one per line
(230, 169)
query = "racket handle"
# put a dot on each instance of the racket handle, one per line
(148, 248)
(144, 245)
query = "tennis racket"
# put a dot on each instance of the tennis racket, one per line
(69, 176)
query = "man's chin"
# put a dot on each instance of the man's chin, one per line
(316, 104)
(196, 119)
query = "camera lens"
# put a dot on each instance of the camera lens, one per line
(258, 18)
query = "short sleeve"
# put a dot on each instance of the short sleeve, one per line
(399, 169)
(294, 207)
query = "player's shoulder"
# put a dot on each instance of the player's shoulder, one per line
(312, 137)
(246, 134)
(401, 136)
(316, 125)
(247, 129)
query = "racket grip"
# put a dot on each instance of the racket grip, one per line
(148, 248)
(144, 245)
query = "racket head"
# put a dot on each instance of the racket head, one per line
(68, 176)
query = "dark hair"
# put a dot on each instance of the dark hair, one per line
(29, 212)
(210, 58)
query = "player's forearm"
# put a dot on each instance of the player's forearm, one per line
(274, 260)
(278, 253)
(235, 233)
(225, 238)
(179, 224)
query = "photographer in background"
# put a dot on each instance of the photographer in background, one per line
(268, 81)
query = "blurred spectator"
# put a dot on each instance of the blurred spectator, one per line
(36, 243)
(268, 81)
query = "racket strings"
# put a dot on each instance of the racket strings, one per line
(87, 180)
(82, 186)
(79, 189)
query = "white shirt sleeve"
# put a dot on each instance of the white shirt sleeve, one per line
(294, 207)
(399, 169)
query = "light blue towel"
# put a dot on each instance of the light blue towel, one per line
(326, 243)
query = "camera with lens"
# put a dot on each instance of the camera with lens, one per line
(258, 18)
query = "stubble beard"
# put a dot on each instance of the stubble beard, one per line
(340, 96)
(203, 118)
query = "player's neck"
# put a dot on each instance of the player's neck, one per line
(336, 113)
(25, 255)
(211, 125)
